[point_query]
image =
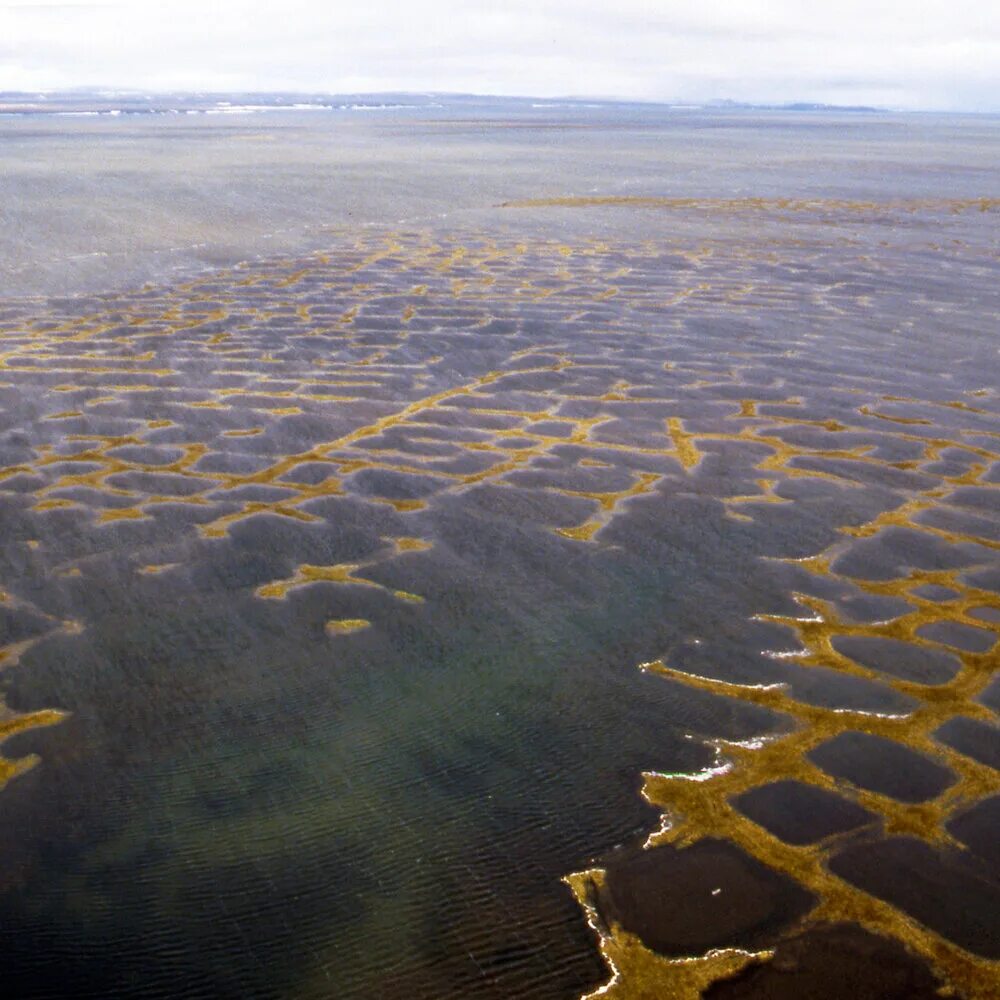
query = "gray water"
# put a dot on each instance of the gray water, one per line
(341, 500)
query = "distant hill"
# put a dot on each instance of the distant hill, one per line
(792, 106)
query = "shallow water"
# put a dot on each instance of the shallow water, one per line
(328, 575)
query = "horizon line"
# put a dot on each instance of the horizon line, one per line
(715, 103)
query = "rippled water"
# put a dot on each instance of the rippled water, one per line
(327, 577)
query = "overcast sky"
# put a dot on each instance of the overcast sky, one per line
(916, 54)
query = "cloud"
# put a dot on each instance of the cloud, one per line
(926, 53)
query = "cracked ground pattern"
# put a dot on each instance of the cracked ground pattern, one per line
(326, 581)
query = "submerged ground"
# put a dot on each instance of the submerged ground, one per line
(491, 552)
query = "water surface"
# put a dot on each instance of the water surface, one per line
(343, 499)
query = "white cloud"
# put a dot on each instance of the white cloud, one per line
(924, 53)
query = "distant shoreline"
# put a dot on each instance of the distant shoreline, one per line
(97, 103)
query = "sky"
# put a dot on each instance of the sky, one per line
(919, 54)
